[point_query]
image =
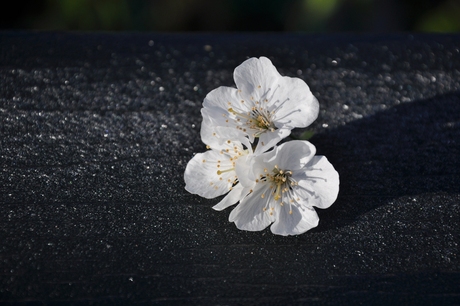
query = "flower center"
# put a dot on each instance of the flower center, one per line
(258, 119)
(263, 120)
(281, 180)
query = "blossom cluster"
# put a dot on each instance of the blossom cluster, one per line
(273, 184)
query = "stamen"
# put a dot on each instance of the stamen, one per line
(219, 172)
(231, 110)
(258, 119)
(281, 180)
(277, 193)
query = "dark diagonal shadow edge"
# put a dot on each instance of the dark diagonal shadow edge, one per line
(408, 150)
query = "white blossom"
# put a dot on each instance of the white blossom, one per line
(284, 185)
(214, 172)
(265, 105)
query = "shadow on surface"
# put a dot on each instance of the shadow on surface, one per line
(407, 150)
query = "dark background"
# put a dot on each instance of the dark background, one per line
(96, 130)
(317, 16)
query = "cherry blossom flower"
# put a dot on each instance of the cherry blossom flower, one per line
(284, 185)
(265, 105)
(214, 172)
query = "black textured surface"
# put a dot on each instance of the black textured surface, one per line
(96, 130)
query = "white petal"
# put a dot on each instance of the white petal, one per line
(301, 220)
(258, 167)
(220, 98)
(319, 183)
(201, 178)
(270, 139)
(250, 215)
(294, 103)
(292, 155)
(255, 74)
(236, 194)
(244, 170)
(216, 116)
(218, 137)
